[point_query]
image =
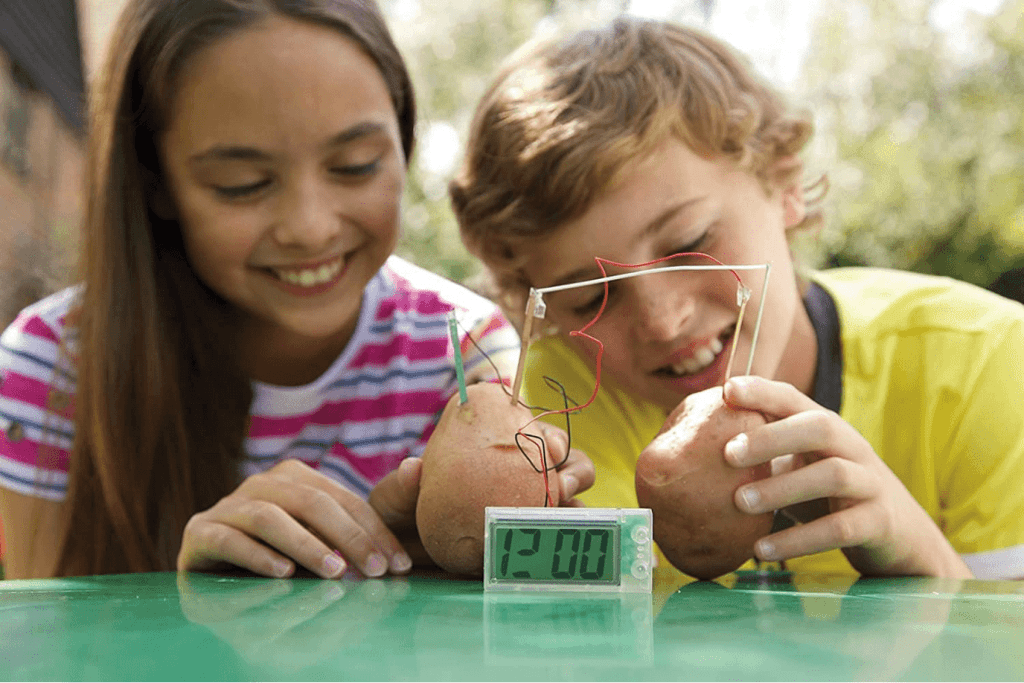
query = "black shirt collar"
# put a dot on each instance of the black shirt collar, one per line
(828, 375)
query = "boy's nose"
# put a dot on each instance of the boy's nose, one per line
(662, 308)
(308, 219)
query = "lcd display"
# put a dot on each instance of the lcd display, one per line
(578, 553)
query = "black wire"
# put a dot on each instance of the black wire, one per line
(537, 440)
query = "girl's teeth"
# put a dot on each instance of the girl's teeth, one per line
(312, 276)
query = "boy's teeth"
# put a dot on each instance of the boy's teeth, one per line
(702, 358)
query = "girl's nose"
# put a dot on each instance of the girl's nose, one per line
(663, 307)
(308, 218)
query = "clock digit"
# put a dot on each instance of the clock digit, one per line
(527, 552)
(588, 539)
(508, 551)
(562, 533)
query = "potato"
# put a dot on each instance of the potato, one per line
(472, 461)
(682, 476)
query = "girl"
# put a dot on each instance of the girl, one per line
(245, 366)
(897, 394)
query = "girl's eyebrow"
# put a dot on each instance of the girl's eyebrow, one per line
(656, 224)
(244, 153)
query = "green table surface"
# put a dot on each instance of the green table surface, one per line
(765, 626)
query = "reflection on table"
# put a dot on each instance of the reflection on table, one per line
(750, 625)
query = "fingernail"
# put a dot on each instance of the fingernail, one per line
(375, 565)
(736, 449)
(751, 498)
(280, 568)
(400, 562)
(569, 486)
(740, 381)
(333, 565)
(765, 550)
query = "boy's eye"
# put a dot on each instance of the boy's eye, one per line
(590, 305)
(241, 191)
(692, 247)
(695, 246)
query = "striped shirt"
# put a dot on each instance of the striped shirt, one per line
(376, 405)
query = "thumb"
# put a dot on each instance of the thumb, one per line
(409, 472)
(394, 497)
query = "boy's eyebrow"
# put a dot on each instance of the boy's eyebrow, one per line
(243, 153)
(656, 224)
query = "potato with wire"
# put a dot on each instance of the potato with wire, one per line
(474, 461)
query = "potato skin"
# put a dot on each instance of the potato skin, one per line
(682, 476)
(472, 462)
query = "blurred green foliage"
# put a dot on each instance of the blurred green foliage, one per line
(452, 52)
(922, 135)
(921, 131)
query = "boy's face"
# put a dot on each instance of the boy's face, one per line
(668, 335)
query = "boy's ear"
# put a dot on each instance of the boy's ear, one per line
(786, 174)
(794, 209)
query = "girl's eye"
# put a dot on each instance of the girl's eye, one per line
(242, 191)
(357, 170)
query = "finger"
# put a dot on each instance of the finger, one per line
(207, 545)
(827, 478)
(368, 541)
(844, 529)
(556, 443)
(394, 497)
(783, 464)
(351, 524)
(277, 524)
(817, 431)
(574, 503)
(770, 398)
(409, 472)
(577, 474)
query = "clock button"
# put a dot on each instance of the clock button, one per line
(640, 534)
(640, 570)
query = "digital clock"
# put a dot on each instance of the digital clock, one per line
(568, 549)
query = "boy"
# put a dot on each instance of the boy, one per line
(898, 395)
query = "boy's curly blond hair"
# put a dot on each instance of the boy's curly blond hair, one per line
(563, 118)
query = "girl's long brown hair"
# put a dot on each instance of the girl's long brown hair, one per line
(161, 405)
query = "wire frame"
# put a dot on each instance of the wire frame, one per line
(536, 308)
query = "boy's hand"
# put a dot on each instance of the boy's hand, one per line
(816, 454)
(291, 514)
(576, 474)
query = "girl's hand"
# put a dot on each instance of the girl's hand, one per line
(394, 499)
(291, 514)
(816, 454)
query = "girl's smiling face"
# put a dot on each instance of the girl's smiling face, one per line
(668, 335)
(285, 169)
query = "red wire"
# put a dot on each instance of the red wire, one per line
(582, 332)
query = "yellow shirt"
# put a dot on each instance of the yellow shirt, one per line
(933, 378)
